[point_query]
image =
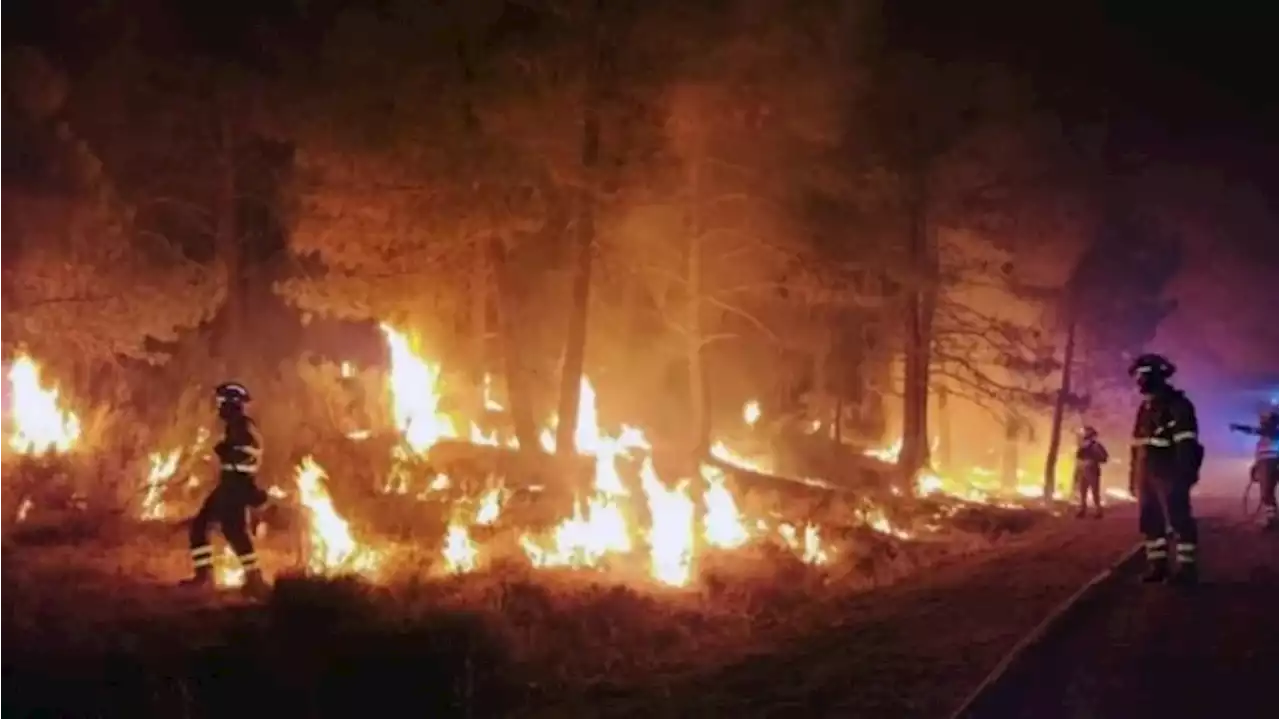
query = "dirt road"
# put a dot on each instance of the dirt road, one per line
(1136, 651)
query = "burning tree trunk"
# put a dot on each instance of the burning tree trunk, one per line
(575, 343)
(1059, 409)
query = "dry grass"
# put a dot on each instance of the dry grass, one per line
(93, 625)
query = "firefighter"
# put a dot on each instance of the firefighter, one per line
(1090, 456)
(1164, 465)
(239, 455)
(1266, 456)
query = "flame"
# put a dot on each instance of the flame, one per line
(977, 484)
(162, 468)
(490, 403)
(671, 535)
(600, 524)
(229, 573)
(330, 547)
(460, 553)
(809, 545)
(490, 507)
(751, 412)
(724, 527)
(415, 395)
(39, 425)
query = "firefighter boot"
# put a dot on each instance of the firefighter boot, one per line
(255, 587)
(1185, 570)
(1270, 515)
(203, 577)
(1157, 560)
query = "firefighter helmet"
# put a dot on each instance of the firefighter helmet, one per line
(231, 393)
(1152, 365)
(1269, 413)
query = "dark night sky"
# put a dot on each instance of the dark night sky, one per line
(1183, 82)
(1191, 81)
(1188, 66)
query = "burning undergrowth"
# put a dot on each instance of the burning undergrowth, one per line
(439, 497)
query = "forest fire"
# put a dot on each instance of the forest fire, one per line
(600, 525)
(602, 529)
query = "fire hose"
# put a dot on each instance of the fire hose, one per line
(1038, 634)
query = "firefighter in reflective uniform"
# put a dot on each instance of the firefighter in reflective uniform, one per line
(1165, 464)
(239, 454)
(1266, 456)
(1090, 456)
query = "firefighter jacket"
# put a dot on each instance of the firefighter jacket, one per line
(1268, 433)
(240, 450)
(1091, 454)
(1166, 441)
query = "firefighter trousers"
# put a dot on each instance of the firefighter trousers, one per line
(1267, 473)
(227, 505)
(1164, 505)
(1088, 482)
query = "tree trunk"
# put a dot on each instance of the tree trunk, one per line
(944, 428)
(480, 286)
(519, 398)
(821, 381)
(1009, 457)
(698, 400)
(575, 343)
(227, 239)
(1059, 409)
(700, 418)
(837, 428)
(488, 261)
(920, 307)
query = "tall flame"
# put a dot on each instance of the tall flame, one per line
(600, 524)
(39, 425)
(415, 398)
(331, 548)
